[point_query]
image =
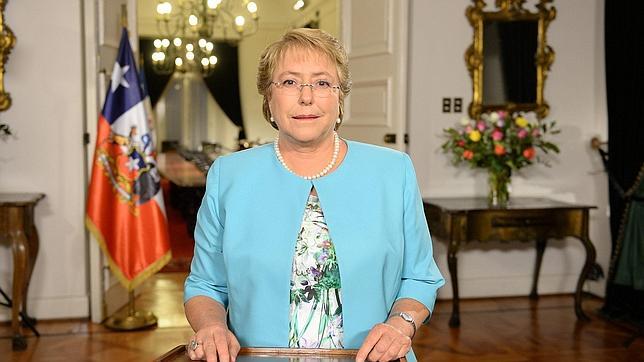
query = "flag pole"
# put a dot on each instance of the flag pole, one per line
(124, 15)
(133, 320)
(134, 199)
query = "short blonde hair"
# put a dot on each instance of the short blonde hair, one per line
(310, 39)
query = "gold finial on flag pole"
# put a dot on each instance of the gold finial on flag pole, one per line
(124, 15)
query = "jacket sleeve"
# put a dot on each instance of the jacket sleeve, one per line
(420, 276)
(208, 276)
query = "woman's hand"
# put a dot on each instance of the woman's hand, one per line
(386, 341)
(213, 343)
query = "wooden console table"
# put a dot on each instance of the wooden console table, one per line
(461, 220)
(18, 229)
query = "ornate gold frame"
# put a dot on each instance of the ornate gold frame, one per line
(509, 10)
(7, 42)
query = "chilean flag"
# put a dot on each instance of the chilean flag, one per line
(125, 210)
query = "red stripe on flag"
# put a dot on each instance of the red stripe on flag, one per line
(133, 236)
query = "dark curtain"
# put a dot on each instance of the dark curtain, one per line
(625, 102)
(223, 84)
(156, 82)
(518, 43)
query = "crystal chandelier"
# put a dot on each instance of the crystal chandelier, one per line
(188, 28)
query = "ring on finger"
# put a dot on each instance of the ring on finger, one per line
(194, 344)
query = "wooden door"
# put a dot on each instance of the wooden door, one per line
(375, 34)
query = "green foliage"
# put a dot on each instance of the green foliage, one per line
(499, 141)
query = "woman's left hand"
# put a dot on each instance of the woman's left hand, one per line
(386, 342)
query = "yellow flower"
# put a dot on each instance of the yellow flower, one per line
(521, 122)
(475, 136)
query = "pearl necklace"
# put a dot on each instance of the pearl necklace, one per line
(334, 158)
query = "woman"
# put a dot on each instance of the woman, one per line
(313, 241)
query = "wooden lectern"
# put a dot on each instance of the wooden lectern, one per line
(178, 354)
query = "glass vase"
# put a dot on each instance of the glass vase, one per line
(498, 182)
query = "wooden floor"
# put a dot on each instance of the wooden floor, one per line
(504, 329)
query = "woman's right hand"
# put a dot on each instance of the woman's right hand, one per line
(213, 343)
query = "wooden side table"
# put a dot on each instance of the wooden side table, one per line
(462, 220)
(18, 229)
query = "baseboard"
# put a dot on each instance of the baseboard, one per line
(509, 286)
(71, 307)
(53, 308)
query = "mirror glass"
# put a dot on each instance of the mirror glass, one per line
(509, 57)
(510, 70)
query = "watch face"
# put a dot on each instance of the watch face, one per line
(406, 317)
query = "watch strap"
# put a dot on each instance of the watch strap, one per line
(408, 318)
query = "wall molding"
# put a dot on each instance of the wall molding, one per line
(53, 308)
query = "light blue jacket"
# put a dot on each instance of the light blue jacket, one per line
(249, 220)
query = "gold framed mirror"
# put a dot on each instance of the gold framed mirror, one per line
(509, 57)
(7, 42)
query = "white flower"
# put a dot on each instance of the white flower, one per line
(465, 121)
(494, 116)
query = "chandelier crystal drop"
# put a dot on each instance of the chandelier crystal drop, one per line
(188, 29)
(325, 170)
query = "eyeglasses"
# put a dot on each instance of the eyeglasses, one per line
(320, 88)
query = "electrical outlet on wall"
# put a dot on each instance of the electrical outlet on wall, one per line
(458, 105)
(447, 105)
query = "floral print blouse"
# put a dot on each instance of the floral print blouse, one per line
(315, 319)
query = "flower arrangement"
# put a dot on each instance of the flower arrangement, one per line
(500, 143)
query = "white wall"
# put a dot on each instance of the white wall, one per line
(44, 78)
(439, 35)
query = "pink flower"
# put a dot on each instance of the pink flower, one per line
(500, 123)
(481, 126)
(536, 132)
(468, 129)
(502, 114)
(497, 135)
(522, 133)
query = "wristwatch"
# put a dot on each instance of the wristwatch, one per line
(408, 318)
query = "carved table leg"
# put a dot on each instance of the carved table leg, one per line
(455, 319)
(34, 245)
(20, 248)
(590, 260)
(541, 247)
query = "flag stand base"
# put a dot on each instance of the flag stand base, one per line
(133, 320)
(139, 320)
